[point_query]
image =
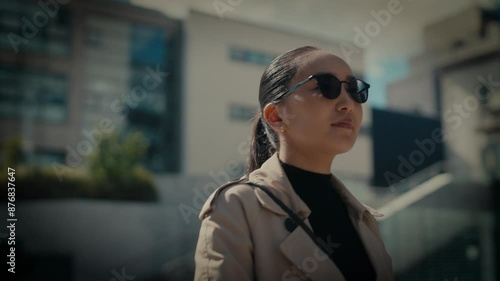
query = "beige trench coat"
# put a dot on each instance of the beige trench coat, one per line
(243, 235)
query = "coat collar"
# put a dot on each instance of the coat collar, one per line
(271, 174)
(309, 258)
(298, 247)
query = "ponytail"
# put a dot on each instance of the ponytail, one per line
(261, 146)
(274, 81)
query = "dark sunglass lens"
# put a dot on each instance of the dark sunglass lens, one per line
(353, 87)
(329, 86)
(362, 96)
(361, 93)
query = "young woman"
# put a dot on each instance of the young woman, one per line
(289, 217)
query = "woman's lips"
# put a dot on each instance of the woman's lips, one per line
(344, 124)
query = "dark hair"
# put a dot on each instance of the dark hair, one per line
(274, 81)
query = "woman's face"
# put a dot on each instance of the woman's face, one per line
(311, 120)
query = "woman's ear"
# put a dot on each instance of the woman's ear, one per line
(272, 116)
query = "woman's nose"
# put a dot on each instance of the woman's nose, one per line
(345, 101)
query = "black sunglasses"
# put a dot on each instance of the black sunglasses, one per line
(330, 87)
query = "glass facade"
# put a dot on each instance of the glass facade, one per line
(124, 70)
(43, 95)
(251, 56)
(28, 28)
(239, 112)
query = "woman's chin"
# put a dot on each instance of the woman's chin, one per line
(340, 145)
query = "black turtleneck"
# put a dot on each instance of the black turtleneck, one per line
(329, 218)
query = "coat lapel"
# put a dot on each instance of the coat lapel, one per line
(367, 230)
(297, 247)
(300, 249)
(376, 252)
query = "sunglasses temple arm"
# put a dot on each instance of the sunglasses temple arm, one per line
(294, 88)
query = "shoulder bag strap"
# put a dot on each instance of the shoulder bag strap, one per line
(320, 243)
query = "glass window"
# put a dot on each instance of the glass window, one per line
(48, 157)
(250, 56)
(52, 37)
(148, 45)
(118, 55)
(43, 95)
(241, 112)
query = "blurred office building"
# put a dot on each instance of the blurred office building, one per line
(71, 72)
(186, 74)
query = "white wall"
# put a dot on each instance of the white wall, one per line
(462, 26)
(463, 117)
(417, 91)
(414, 93)
(212, 81)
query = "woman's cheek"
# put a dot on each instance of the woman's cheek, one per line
(289, 114)
(360, 113)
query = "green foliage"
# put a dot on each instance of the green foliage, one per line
(42, 183)
(115, 169)
(118, 159)
(114, 172)
(11, 152)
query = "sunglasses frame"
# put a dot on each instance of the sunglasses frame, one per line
(314, 76)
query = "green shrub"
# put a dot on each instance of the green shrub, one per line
(113, 173)
(11, 153)
(42, 183)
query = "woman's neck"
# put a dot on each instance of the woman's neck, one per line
(317, 163)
